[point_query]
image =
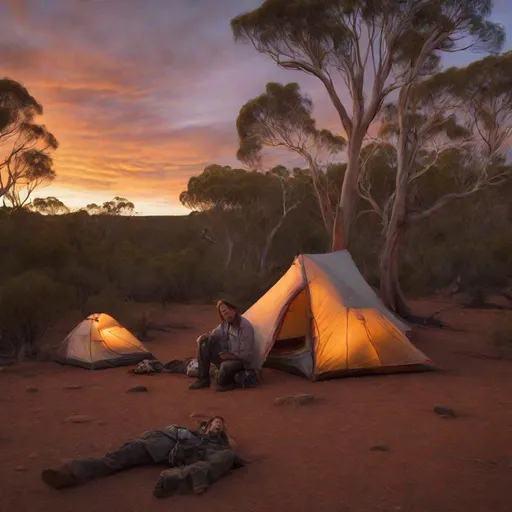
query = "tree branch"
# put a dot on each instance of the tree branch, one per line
(338, 105)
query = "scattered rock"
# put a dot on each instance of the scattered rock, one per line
(444, 412)
(33, 455)
(138, 389)
(31, 389)
(300, 399)
(73, 386)
(380, 448)
(20, 468)
(79, 418)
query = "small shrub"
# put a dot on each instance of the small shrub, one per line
(29, 303)
(109, 301)
(86, 282)
(246, 288)
(142, 326)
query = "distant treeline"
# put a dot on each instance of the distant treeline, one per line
(52, 264)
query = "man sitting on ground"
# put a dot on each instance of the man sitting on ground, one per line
(198, 458)
(229, 347)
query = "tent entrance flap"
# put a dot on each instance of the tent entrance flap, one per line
(292, 335)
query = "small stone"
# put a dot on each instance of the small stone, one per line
(33, 455)
(380, 448)
(73, 386)
(444, 412)
(79, 418)
(138, 389)
(31, 389)
(299, 399)
(20, 468)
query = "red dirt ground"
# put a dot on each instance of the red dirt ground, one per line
(313, 457)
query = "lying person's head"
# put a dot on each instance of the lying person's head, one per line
(214, 425)
(228, 312)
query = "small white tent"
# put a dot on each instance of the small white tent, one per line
(101, 342)
(322, 319)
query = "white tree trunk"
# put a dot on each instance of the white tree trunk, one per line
(349, 197)
(267, 246)
(229, 253)
(390, 290)
(395, 227)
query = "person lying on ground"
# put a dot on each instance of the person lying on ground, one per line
(229, 347)
(215, 463)
(197, 458)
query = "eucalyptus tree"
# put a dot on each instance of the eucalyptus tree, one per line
(361, 51)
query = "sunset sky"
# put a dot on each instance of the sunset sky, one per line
(143, 94)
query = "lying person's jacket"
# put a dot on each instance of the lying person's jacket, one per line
(159, 443)
(193, 446)
(241, 343)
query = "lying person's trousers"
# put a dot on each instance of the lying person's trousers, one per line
(130, 455)
(203, 473)
(133, 454)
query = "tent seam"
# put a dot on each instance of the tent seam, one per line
(371, 341)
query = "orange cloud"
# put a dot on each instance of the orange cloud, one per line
(143, 94)
(140, 98)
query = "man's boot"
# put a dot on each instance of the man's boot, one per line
(169, 482)
(200, 384)
(60, 477)
(197, 476)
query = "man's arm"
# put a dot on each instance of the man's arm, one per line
(200, 417)
(247, 458)
(232, 442)
(214, 333)
(246, 343)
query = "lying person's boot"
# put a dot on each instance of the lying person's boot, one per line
(171, 481)
(200, 384)
(59, 478)
(197, 476)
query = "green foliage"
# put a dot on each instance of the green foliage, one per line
(25, 146)
(86, 282)
(117, 206)
(282, 117)
(245, 288)
(29, 303)
(325, 38)
(49, 206)
(108, 300)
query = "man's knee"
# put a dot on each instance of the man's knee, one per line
(222, 457)
(228, 370)
(205, 344)
(220, 463)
